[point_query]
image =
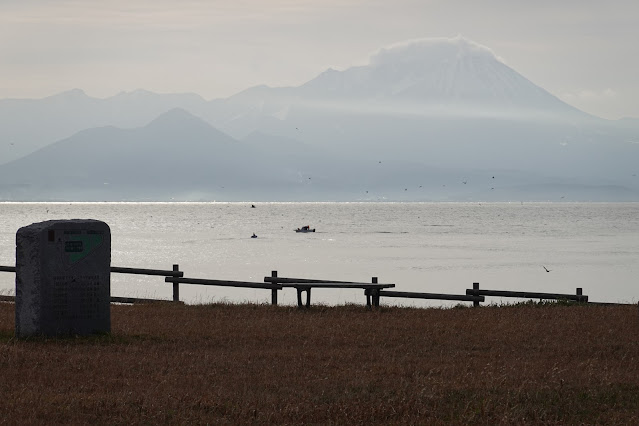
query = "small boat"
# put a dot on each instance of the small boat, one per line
(305, 229)
(253, 236)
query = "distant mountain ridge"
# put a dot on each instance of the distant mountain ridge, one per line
(174, 152)
(428, 109)
(29, 124)
(180, 157)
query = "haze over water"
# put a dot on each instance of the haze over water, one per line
(426, 247)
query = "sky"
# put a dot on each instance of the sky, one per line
(585, 52)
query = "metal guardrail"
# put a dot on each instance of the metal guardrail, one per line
(578, 297)
(432, 296)
(372, 290)
(159, 272)
(223, 283)
(175, 272)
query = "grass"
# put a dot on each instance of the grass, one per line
(238, 364)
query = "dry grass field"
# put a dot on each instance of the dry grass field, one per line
(238, 364)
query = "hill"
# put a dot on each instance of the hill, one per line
(179, 156)
(27, 125)
(174, 152)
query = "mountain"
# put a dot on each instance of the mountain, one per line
(428, 114)
(427, 74)
(447, 103)
(426, 78)
(179, 156)
(176, 156)
(29, 124)
(175, 151)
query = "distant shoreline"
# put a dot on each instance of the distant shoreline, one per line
(318, 202)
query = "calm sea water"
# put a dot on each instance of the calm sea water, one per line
(427, 247)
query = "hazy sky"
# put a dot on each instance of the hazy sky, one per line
(585, 52)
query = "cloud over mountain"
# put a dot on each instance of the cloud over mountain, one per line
(430, 49)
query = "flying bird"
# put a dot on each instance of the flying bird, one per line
(546, 269)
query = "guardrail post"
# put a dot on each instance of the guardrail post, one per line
(476, 287)
(583, 298)
(176, 286)
(375, 293)
(274, 290)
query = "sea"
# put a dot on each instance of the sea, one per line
(419, 247)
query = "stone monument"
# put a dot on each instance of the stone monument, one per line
(63, 278)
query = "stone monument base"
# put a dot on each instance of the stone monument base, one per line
(63, 278)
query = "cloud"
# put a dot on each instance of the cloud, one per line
(429, 47)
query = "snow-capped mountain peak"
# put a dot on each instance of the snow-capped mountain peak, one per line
(441, 71)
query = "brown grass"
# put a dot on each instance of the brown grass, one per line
(236, 364)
